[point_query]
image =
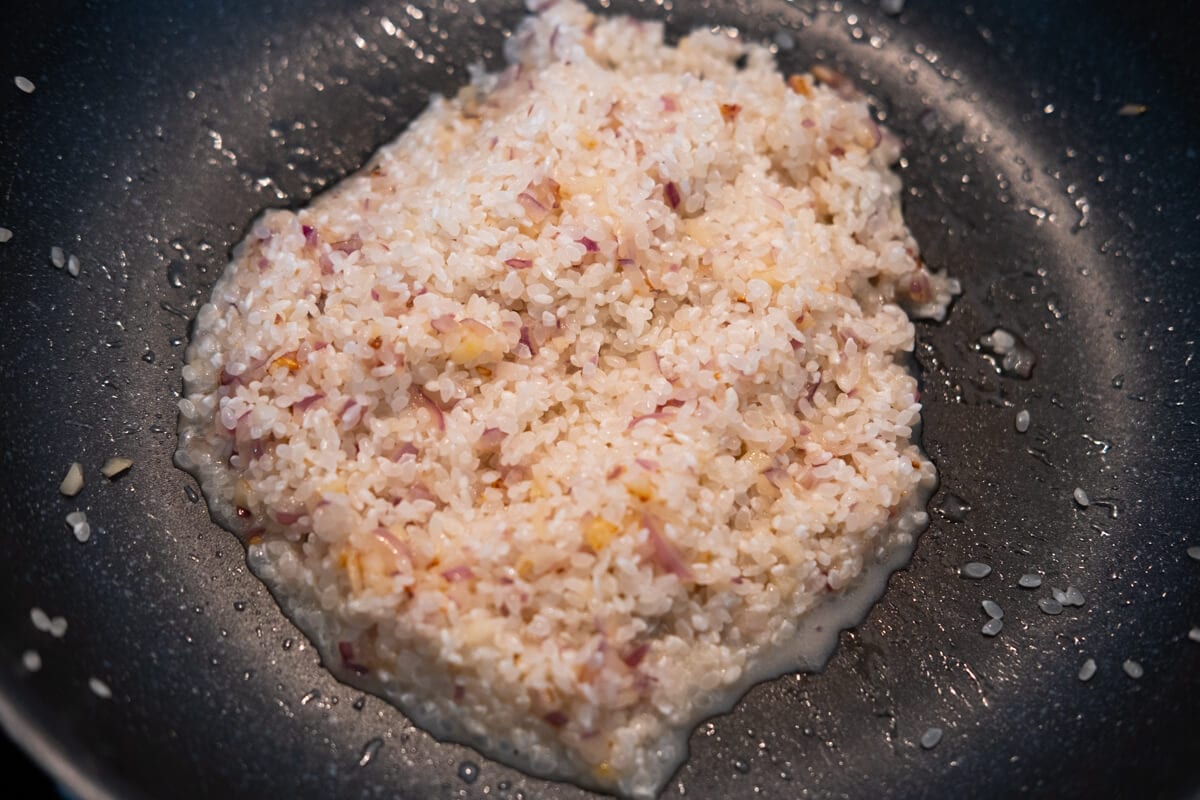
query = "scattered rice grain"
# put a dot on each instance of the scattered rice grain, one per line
(72, 482)
(1194, 634)
(99, 688)
(1029, 581)
(73, 265)
(993, 609)
(1081, 498)
(5, 235)
(992, 627)
(32, 660)
(1021, 423)
(115, 466)
(1072, 597)
(975, 570)
(24, 84)
(1194, 553)
(1087, 670)
(1133, 669)
(930, 738)
(79, 525)
(39, 618)
(57, 257)
(1050, 606)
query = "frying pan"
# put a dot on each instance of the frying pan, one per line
(1052, 166)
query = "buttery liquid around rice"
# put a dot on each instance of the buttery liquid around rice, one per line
(809, 648)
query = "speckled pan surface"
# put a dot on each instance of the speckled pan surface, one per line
(154, 135)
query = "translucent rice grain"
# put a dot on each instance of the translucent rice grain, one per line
(39, 618)
(931, 737)
(975, 570)
(1087, 670)
(1029, 581)
(1133, 669)
(1050, 606)
(1072, 597)
(1021, 423)
(24, 84)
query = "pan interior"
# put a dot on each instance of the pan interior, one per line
(1068, 214)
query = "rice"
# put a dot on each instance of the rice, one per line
(555, 423)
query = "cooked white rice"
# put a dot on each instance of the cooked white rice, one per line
(552, 423)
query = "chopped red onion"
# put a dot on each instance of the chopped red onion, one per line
(346, 651)
(311, 237)
(518, 263)
(635, 656)
(533, 209)
(588, 244)
(671, 193)
(491, 438)
(406, 449)
(307, 402)
(419, 491)
(459, 573)
(668, 103)
(556, 719)
(647, 464)
(351, 245)
(424, 400)
(444, 323)
(528, 341)
(352, 413)
(776, 476)
(287, 517)
(665, 553)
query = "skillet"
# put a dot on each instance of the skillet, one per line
(154, 135)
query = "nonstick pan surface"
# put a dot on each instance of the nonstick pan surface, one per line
(1052, 166)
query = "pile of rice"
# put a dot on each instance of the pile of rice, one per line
(550, 423)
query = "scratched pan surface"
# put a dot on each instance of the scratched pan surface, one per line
(158, 131)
